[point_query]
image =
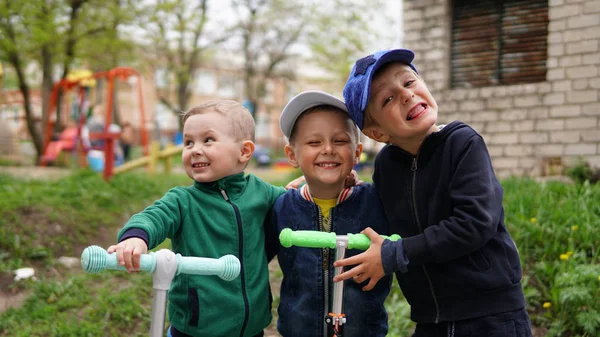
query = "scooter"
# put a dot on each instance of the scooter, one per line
(164, 265)
(318, 239)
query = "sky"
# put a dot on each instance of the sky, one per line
(394, 10)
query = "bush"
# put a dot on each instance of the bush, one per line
(557, 229)
(582, 171)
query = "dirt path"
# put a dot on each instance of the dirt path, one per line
(10, 297)
(35, 172)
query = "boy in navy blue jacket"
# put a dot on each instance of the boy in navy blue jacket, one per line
(324, 144)
(456, 263)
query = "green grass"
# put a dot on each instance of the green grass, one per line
(114, 304)
(43, 219)
(556, 227)
(9, 162)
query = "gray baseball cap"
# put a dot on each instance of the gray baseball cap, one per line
(302, 102)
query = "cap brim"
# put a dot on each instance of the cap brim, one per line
(302, 102)
(395, 55)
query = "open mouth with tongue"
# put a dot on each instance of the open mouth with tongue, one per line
(416, 111)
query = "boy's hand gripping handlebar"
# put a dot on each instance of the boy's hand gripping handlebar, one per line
(164, 265)
(318, 239)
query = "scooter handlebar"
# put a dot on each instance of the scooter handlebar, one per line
(95, 259)
(318, 239)
(227, 267)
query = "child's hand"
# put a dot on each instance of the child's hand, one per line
(129, 253)
(296, 183)
(368, 264)
(352, 179)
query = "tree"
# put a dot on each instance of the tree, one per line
(337, 41)
(271, 32)
(47, 32)
(268, 29)
(17, 41)
(177, 35)
(109, 48)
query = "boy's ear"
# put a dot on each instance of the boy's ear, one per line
(291, 156)
(376, 134)
(359, 148)
(247, 151)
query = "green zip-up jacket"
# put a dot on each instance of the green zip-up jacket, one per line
(211, 220)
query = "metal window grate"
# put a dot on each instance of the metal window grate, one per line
(498, 42)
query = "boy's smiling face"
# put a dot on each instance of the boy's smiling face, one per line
(325, 147)
(404, 110)
(210, 151)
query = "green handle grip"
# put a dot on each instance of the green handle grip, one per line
(95, 259)
(318, 239)
(227, 267)
(362, 242)
(308, 239)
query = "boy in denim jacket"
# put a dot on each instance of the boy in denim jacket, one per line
(324, 144)
(456, 263)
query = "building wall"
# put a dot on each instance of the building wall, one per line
(8, 141)
(524, 125)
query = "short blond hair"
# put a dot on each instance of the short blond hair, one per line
(325, 107)
(242, 123)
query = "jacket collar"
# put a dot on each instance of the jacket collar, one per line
(344, 194)
(433, 139)
(233, 184)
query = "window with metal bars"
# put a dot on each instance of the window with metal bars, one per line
(498, 42)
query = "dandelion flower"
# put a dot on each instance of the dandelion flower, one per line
(533, 220)
(570, 253)
(547, 305)
(574, 228)
(564, 257)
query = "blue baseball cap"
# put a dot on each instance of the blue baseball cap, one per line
(358, 86)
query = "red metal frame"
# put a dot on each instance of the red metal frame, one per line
(121, 73)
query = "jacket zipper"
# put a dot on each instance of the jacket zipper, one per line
(414, 204)
(241, 257)
(325, 275)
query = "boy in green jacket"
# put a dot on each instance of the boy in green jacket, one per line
(221, 213)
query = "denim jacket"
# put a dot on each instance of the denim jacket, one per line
(307, 286)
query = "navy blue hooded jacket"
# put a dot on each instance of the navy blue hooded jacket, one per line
(307, 285)
(446, 203)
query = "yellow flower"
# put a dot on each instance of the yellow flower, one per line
(598, 278)
(547, 305)
(570, 253)
(564, 257)
(533, 220)
(574, 228)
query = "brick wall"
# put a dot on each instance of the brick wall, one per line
(523, 125)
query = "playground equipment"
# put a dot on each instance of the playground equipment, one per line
(163, 265)
(108, 137)
(68, 139)
(318, 239)
(151, 160)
